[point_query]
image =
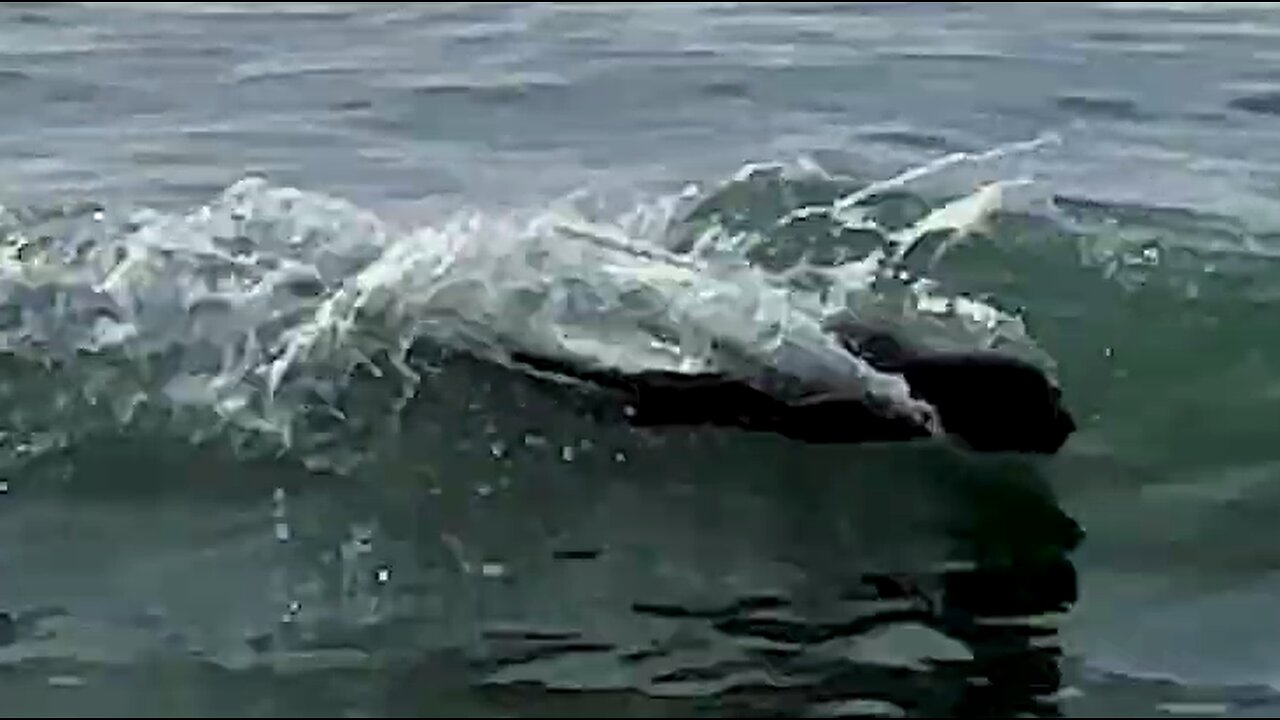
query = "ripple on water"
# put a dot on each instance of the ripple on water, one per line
(1101, 106)
(1261, 103)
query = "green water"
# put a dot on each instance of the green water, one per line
(488, 553)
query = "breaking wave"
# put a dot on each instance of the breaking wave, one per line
(290, 321)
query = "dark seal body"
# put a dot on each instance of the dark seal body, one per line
(988, 401)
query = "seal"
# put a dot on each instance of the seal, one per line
(985, 400)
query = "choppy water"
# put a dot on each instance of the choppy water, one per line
(242, 477)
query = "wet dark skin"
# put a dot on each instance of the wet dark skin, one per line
(985, 400)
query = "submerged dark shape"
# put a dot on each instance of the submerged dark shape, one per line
(989, 401)
(992, 401)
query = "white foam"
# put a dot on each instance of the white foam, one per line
(264, 302)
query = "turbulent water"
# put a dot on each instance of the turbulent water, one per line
(250, 254)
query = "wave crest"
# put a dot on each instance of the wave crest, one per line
(252, 314)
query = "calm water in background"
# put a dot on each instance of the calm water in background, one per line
(711, 574)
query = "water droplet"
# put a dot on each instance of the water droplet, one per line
(629, 411)
(619, 457)
(66, 681)
(282, 532)
(362, 539)
(1151, 254)
(531, 440)
(484, 490)
(383, 575)
(585, 444)
(435, 490)
(493, 570)
(4, 487)
(498, 450)
(566, 453)
(1108, 352)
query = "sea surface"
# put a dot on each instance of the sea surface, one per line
(262, 265)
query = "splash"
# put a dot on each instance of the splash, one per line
(252, 314)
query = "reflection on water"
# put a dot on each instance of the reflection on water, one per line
(618, 574)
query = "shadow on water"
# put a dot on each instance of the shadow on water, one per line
(510, 565)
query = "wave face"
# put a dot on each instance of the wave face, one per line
(242, 445)
(289, 321)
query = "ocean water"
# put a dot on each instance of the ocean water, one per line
(246, 467)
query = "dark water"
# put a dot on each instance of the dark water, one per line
(375, 531)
